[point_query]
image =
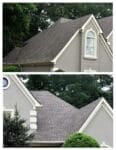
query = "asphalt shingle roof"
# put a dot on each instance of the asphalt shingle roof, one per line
(57, 119)
(44, 46)
(106, 24)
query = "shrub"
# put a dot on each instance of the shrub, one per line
(15, 133)
(80, 140)
(11, 68)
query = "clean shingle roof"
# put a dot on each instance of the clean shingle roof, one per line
(57, 119)
(44, 46)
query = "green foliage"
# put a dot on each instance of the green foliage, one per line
(15, 133)
(16, 24)
(22, 21)
(78, 90)
(80, 140)
(11, 68)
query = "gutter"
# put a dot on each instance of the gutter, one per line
(32, 64)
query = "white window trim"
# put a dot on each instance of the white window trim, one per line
(10, 110)
(8, 82)
(95, 54)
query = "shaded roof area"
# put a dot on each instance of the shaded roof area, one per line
(57, 119)
(106, 25)
(45, 46)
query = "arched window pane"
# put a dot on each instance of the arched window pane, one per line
(90, 43)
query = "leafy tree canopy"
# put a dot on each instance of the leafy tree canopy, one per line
(77, 90)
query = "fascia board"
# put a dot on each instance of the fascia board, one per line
(46, 142)
(25, 91)
(109, 35)
(107, 48)
(95, 21)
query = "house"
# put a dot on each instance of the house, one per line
(52, 120)
(81, 45)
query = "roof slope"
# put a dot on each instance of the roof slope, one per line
(44, 46)
(106, 25)
(57, 119)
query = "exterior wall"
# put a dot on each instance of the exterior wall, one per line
(36, 68)
(70, 59)
(105, 63)
(12, 96)
(110, 40)
(101, 128)
(95, 64)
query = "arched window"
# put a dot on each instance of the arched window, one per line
(90, 44)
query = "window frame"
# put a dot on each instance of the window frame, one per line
(8, 82)
(94, 56)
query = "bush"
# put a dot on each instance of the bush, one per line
(11, 68)
(15, 133)
(80, 140)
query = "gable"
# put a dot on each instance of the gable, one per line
(20, 91)
(102, 103)
(101, 128)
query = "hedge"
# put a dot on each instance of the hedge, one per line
(11, 68)
(80, 140)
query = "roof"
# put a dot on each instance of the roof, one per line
(57, 119)
(45, 46)
(106, 25)
(41, 47)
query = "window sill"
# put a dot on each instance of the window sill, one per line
(90, 58)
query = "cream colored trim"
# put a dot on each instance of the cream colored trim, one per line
(92, 115)
(95, 45)
(33, 126)
(46, 142)
(33, 113)
(104, 145)
(109, 35)
(107, 48)
(54, 69)
(96, 23)
(64, 48)
(25, 91)
(33, 120)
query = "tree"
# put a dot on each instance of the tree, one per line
(80, 140)
(78, 90)
(15, 133)
(16, 24)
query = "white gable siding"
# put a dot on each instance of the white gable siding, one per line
(101, 127)
(70, 59)
(14, 97)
